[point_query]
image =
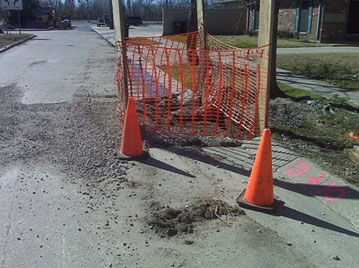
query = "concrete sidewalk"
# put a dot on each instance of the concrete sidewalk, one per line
(319, 87)
(315, 86)
(135, 31)
(316, 50)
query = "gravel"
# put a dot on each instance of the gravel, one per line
(68, 135)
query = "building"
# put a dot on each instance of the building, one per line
(321, 20)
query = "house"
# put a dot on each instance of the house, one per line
(321, 20)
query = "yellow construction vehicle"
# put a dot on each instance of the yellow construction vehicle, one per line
(47, 18)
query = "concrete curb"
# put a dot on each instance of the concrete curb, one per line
(108, 40)
(16, 44)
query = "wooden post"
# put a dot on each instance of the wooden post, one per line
(200, 22)
(200, 13)
(119, 25)
(265, 37)
(202, 46)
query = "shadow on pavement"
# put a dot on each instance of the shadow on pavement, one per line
(281, 156)
(208, 160)
(334, 192)
(159, 164)
(284, 211)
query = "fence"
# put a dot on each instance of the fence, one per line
(181, 88)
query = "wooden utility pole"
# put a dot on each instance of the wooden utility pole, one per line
(200, 13)
(203, 45)
(118, 19)
(265, 37)
(119, 25)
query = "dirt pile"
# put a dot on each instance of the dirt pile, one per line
(169, 221)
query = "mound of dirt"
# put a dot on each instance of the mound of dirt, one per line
(169, 221)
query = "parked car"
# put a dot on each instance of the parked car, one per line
(66, 21)
(103, 20)
(132, 20)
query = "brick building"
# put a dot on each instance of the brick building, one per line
(322, 20)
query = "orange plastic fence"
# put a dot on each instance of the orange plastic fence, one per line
(184, 89)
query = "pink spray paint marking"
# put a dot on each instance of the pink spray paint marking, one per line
(331, 194)
(341, 192)
(299, 171)
(315, 180)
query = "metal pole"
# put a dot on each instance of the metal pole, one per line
(18, 16)
(7, 26)
(88, 12)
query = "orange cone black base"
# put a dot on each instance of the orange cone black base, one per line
(131, 144)
(242, 202)
(259, 193)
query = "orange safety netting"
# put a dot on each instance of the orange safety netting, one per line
(184, 89)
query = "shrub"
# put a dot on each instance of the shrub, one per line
(287, 34)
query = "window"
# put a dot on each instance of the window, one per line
(353, 17)
(255, 17)
(303, 22)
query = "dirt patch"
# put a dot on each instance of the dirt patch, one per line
(319, 130)
(164, 140)
(170, 222)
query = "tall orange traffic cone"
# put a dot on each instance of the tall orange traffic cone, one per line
(259, 193)
(131, 144)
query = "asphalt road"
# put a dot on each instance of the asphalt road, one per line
(68, 201)
(49, 68)
(46, 87)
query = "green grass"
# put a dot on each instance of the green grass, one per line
(142, 41)
(247, 41)
(297, 92)
(341, 69)
(8, 39)
(183, 73)
(177, 38)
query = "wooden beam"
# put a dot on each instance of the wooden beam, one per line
(200, 13)
(118, 19)
(265, 37)
(119, 25)
(200, 21)
(202, 46)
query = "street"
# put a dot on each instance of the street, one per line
(67, 200)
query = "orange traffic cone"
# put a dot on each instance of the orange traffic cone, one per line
(259, 192)
(131, 144)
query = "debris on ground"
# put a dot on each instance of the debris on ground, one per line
(164, 140)
(317, 129)
(167, 221)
